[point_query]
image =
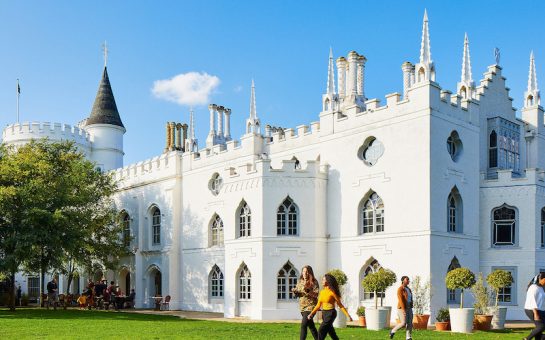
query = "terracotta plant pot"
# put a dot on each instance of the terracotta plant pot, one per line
(442, 326)
(482, 322)
(361, 321)
(420, 321)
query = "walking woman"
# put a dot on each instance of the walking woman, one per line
(329, 296)
(535, 306)
(307, 290)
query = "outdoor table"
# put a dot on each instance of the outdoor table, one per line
(157, 301)
(120, 301)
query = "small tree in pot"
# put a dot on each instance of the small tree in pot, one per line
(421, 301)
(443, 320)
(481, 294)
(378, 282)
(342, 279)
(361, 316)
(498, 280)
(461, 319)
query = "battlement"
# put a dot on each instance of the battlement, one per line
(507, 177)
(151, 169)
(21, 132)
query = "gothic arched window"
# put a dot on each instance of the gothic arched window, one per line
(504, 226)
(287, 218)
(493, 150)
(286, 281)
(216, 282)
(455, 211)
(372, 215)
(216, 231)
(245, 284)
(156, 225)
(244, 220)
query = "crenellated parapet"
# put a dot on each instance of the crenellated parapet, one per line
(165, 166)
(23, 132)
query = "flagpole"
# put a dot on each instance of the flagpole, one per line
(18, 93)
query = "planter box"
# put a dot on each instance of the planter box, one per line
(421, 321)
(376, 318)
(482, 322)
(442, 326)
(461, 319)
(498, 320)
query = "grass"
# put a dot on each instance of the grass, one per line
(75, 324)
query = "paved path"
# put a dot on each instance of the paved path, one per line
(219, 317)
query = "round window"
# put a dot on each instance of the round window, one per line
(454, 146)
(371, 151)
(215, 184)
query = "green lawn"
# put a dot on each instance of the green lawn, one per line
(72, 324)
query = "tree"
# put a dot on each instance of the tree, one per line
(499, 279)
(378, 281)
(421, 295)
(460, 278)
(58, 210)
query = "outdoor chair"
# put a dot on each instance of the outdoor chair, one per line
(165, 305)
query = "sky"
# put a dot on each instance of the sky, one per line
(166, 56)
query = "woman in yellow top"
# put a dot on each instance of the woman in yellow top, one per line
(327, 299)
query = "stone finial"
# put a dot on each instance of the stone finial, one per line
(330, 74)
(466, 63)
(253, 110)
(532, 95)
(425, 48)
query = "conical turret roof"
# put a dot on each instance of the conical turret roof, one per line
(104, 108)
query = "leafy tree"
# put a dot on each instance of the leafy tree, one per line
(58, 210)
(460, 278)
(378, 281)
(499, 279)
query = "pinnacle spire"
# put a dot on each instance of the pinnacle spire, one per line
(191, 124)
(425, 48)
(532, 78)
(253, 112)
(104, 108)
(466, 63)
(330, 74)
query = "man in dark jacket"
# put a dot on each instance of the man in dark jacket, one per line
(52, 295)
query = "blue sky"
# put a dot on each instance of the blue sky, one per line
(54, 47)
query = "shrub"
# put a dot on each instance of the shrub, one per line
(499, 279)
(421, 295)
(361, 311)
(460, 278)
(443, 315)
(339, 275)
(482, 296)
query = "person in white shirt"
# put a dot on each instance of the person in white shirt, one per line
(534, 307)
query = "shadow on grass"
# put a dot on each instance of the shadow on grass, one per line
(38, 313)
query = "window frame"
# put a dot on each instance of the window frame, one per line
(286, 280)
(372, 210)
(372, 267)
(156, 226)
(513, 223)
(287, 218)
(244, 220)
(216, 283)
(126, 234)
(512, 287)
(216, 231)
(245, 281)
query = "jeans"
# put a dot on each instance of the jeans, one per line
(326, 327)
(306, 323)
(537, 332)
(406, 320)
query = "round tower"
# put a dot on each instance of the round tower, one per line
(105, 128)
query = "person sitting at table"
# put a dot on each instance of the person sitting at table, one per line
(129, 303)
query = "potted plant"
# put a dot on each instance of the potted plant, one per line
(461, 319)
(443, 320)
(386, 279)
(498, 280)
(361, 316)
(376, 282)
(342, 279)
(482, 319)
(421, 301)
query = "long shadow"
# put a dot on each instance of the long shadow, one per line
(69, 314)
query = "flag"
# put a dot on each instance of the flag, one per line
(18, 87)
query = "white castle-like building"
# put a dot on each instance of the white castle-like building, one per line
(426, 182)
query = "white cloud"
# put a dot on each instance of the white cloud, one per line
(192, 88)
